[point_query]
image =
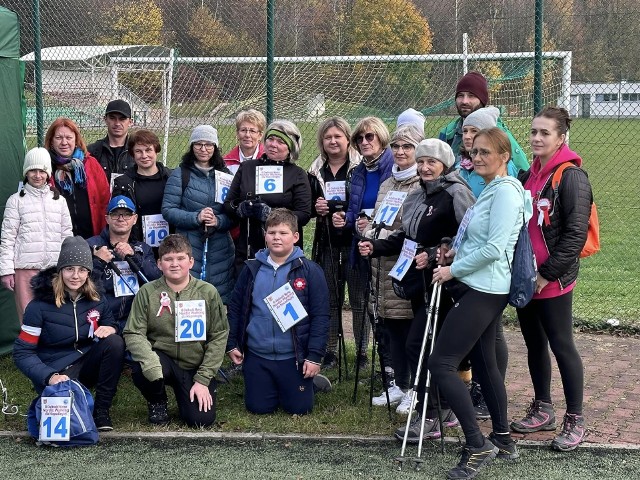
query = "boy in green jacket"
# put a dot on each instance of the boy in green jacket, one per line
(177, 332)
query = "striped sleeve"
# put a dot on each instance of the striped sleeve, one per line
(30, 334)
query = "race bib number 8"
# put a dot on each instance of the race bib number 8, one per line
(191, 321)
(223, 182)
(269, 179)
(55, 419)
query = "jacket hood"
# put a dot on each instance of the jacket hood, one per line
(263, 255)
(564, 154)
(353, 157)
(42, 286)
(526, 195)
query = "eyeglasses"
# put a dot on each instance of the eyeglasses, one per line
(117, 215)
(482, 152)
(202, 146)
(75, 271)
(405, 146)
(251, 131)
(367, 136)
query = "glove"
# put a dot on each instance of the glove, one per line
(245, 209)
(261, 211)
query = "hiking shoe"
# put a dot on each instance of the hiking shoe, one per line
(363, 362)
(102, 419)
(158, 413)
(479, 405)
(431, 427)
(572, 433)
(405, 404)
(540, 416)
(506, 446)
(330, 360)
(395, 397)
(321, 384)
(472, 460)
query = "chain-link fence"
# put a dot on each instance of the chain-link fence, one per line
(181, 63)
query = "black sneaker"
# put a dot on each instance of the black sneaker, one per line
(158, 413)
(479, 405)
(321, 384)
(472, 460)
(506, 446)
(102, 419)
(431, 427)
(363, 362)
(330, 360)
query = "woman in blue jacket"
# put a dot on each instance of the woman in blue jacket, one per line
(194, 206)
(69, 331)
(479, 279)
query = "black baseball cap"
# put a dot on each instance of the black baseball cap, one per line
(118, 106)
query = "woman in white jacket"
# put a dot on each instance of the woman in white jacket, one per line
(36, 221)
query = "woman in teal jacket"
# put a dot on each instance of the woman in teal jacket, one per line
(479, 279)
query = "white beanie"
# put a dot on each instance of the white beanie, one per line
(204, 133)
(434, 148)
(482, 118)
(411, 117)
(37, 159)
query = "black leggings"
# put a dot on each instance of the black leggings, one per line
(502, 353)
(470, 328)
(398, 331)
(549, 323)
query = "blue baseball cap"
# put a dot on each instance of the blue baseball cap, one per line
(121, 202)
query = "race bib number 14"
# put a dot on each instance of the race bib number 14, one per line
(55, 419)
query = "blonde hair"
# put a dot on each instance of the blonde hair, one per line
(337, 122)
(87, 290)
(374, 124)
(251, 116)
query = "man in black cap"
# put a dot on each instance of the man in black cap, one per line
(111, 151)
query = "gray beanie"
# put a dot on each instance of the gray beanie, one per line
(482, 118)
(37, 159)
(434, 148)
(75, 251)
(204, 133)
(411, 117)
(408, 133)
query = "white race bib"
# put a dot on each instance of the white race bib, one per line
(269, 179)
(223, 182)
(156, 228)
(55, 419)
(113, 179)
(191, 321)
(405, 259)
(335, 190)
(126, 285)
(468, 215)
(389, 207)
(285, 307)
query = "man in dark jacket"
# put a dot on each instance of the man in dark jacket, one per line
(111, 151)
(133, 261)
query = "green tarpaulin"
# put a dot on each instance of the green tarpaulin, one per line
(12, 147)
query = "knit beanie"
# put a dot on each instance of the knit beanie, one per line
(411, 117)
(475, 83)
(37, 159)
(434, 148)
(204, 133)
(407, 133)
(482, 118)
(75, 251)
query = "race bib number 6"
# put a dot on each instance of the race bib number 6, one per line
(269, 179)
(191, 321)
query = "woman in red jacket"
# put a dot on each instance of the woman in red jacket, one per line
(78, 176)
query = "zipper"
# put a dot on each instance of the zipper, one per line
(75, 318)
(174, 325)
(538, 196)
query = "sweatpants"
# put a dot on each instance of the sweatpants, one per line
(269, 384)
(548, 323)
(181, 380)
(470, 328)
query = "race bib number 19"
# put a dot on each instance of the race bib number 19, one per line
(269, 179)
(156, 228)
(55, 419)
(191, 321)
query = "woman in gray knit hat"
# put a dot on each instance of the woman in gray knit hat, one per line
(69, 331)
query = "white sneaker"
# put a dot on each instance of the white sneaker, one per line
(405, 403)
(395, 395)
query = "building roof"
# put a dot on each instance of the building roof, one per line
(95, 53)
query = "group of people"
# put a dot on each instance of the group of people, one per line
(167, 271)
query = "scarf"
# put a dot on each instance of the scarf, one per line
(402, 175)
(70, 165)
(466, 163)
(373, 164)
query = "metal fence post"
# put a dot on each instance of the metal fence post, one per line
(38, 73)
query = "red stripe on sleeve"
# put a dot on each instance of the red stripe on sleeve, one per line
(27, 337)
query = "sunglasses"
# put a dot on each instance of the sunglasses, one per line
(404, 146)
(367, 136)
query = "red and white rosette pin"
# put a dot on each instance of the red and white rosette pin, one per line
(93, 317)
(165, 303)
(299, 284)
(543, 211)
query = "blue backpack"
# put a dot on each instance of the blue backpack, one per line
(83, 428)
(524, 271)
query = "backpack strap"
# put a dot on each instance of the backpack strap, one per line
(186, 176)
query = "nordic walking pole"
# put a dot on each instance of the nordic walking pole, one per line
(342, 351)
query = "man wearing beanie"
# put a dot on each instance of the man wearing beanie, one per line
(472, 93)
(111, 151)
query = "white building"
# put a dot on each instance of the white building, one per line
(605, 100)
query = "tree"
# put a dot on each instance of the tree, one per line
(213, 38)
(132, 22)
(392, 27)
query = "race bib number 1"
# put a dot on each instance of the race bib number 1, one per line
(55, 419)
(191, 321)
(405, 259)
(127, 284)
(223, 182)
(156, 228)
(390, 207)
(269, 179)
(285, 307)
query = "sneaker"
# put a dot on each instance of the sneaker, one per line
(330, 360)
(540, 416)
(472, 460)
(102, 419)
(395, 397)
(321, 384)
(405, 404)
(506, 446)
(363, 362)
(158, 413)
(572, 435)
(431, 427)
(479, 405)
